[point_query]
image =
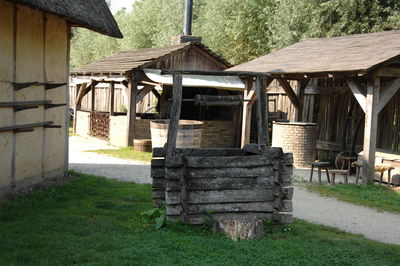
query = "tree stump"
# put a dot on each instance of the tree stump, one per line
(240, 229)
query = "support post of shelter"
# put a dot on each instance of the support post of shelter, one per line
(249, 96)
(93, 98)
(371, 129)
(112, 89)
(131, 112)
(175, 114)
(262, 113)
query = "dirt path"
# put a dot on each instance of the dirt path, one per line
(379, 226)
(102, 165)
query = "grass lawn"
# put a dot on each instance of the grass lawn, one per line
(376, 196)
(92, 220)
(126, 153)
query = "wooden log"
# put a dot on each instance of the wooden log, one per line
(158, 183)
(229, 172)
(222, 196)
(203, 218)
(157, 172)
(240, 229)
(227, 162)
(25, 126)
(283, 217)
(23, 103)
(222, 208)
(158, 163)
(158, 194)
(174, 115)
(262, 117)
(283, 205)
(222, 184)
(160, 152)
(215, 73)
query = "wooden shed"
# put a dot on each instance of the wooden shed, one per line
(319, 80)
(98, 111)
(34, 67)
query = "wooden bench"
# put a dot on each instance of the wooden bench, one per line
(344, 173)
(320, 166)
(379, 168)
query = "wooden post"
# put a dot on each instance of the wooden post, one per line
(371, 129)
(174, 114)
(249, 95)
(262, 116)
(93, 98)
(131, 113)
(112, 89)
(77, 106)
(300, 97)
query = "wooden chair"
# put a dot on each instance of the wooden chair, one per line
(321, 166)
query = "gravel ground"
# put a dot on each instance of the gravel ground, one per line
(379, 226)
(101, 165)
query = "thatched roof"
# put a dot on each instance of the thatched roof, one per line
(125, 61)
(354, 53)
(91, 14)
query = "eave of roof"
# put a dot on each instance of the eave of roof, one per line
(93, 14)
(354, 54)
(125, 61)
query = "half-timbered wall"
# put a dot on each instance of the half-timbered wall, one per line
(34, 48)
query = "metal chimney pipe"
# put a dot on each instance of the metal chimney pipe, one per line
(187, 22)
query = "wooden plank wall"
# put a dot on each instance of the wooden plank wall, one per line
(103, 100)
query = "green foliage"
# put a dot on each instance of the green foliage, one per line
(239, 30)
(96, 221)
(155, 216)
(375, 196)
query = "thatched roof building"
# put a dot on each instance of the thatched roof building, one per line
(94, 14)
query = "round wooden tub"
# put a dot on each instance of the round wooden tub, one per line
(189, 133)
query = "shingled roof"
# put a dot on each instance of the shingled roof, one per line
(354, 53)
(91, 14)
(125, 61)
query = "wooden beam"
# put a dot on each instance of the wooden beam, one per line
(262, 112)
(289, 92)
(93, 98)
(358, 92)
(388, 92)
(143, 92)
(155, 92)
(370, 130)
(174, 114)
(112, 96)
(249, 96)
(215, 73)
(389, 72)
(131, 113)
(301, 86)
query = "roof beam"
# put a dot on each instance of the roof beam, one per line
(143, 92)
(390, 72)
(289, 92)
(388, 92)
(359, 93)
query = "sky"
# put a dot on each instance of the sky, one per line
(119, 4)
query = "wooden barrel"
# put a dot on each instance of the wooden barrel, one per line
(189, 133)
(142, 145)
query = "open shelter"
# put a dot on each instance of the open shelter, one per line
(367, 65)
(146, 94)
